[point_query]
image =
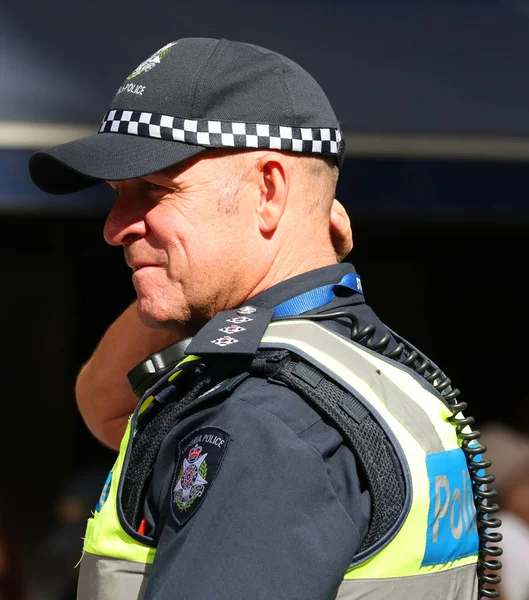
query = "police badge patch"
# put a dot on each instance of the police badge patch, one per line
(199, 458)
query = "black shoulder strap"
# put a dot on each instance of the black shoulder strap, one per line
(374, 452)
(191, 389)
(146, 444)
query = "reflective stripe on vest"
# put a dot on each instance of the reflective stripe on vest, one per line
(433, 551)
(460, 583)
(114, 565)
(112, 579)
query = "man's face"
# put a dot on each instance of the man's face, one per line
(188, 245)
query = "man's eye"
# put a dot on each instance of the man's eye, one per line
(153, 186)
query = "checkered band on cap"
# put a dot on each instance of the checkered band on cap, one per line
(223, 134)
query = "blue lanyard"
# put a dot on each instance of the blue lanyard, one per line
(318, 297)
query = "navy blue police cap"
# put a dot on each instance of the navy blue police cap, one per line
(191, 95)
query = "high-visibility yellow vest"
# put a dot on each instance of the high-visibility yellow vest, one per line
(431, 553)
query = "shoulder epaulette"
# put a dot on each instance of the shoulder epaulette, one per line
(238, 331)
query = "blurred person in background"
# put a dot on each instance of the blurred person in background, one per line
(10, 560)
(508, 449)
(53, 575)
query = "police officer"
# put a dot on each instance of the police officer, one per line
(291, 453)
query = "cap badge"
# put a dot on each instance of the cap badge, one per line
(152, 61)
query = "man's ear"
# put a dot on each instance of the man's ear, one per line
(274, 184)
(341, 232)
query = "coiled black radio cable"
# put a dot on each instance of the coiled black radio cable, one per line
(410, 357)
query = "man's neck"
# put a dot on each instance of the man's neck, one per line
(287, 267)
(280, 271)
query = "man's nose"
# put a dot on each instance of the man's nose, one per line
(124, 223)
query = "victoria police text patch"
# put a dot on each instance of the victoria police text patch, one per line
(452, 532)
(199, 458)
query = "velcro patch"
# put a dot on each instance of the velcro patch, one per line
(199, 457)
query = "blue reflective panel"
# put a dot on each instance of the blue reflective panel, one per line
(452, 532)
(104, 493)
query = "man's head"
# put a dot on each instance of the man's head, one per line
(224, 156)
(208, 234)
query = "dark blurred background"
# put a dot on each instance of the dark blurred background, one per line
(433, 97)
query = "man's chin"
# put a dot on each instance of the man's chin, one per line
(149, 317)
(155, 317)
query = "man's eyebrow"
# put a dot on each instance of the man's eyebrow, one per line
(161, 178)
(174, 172)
